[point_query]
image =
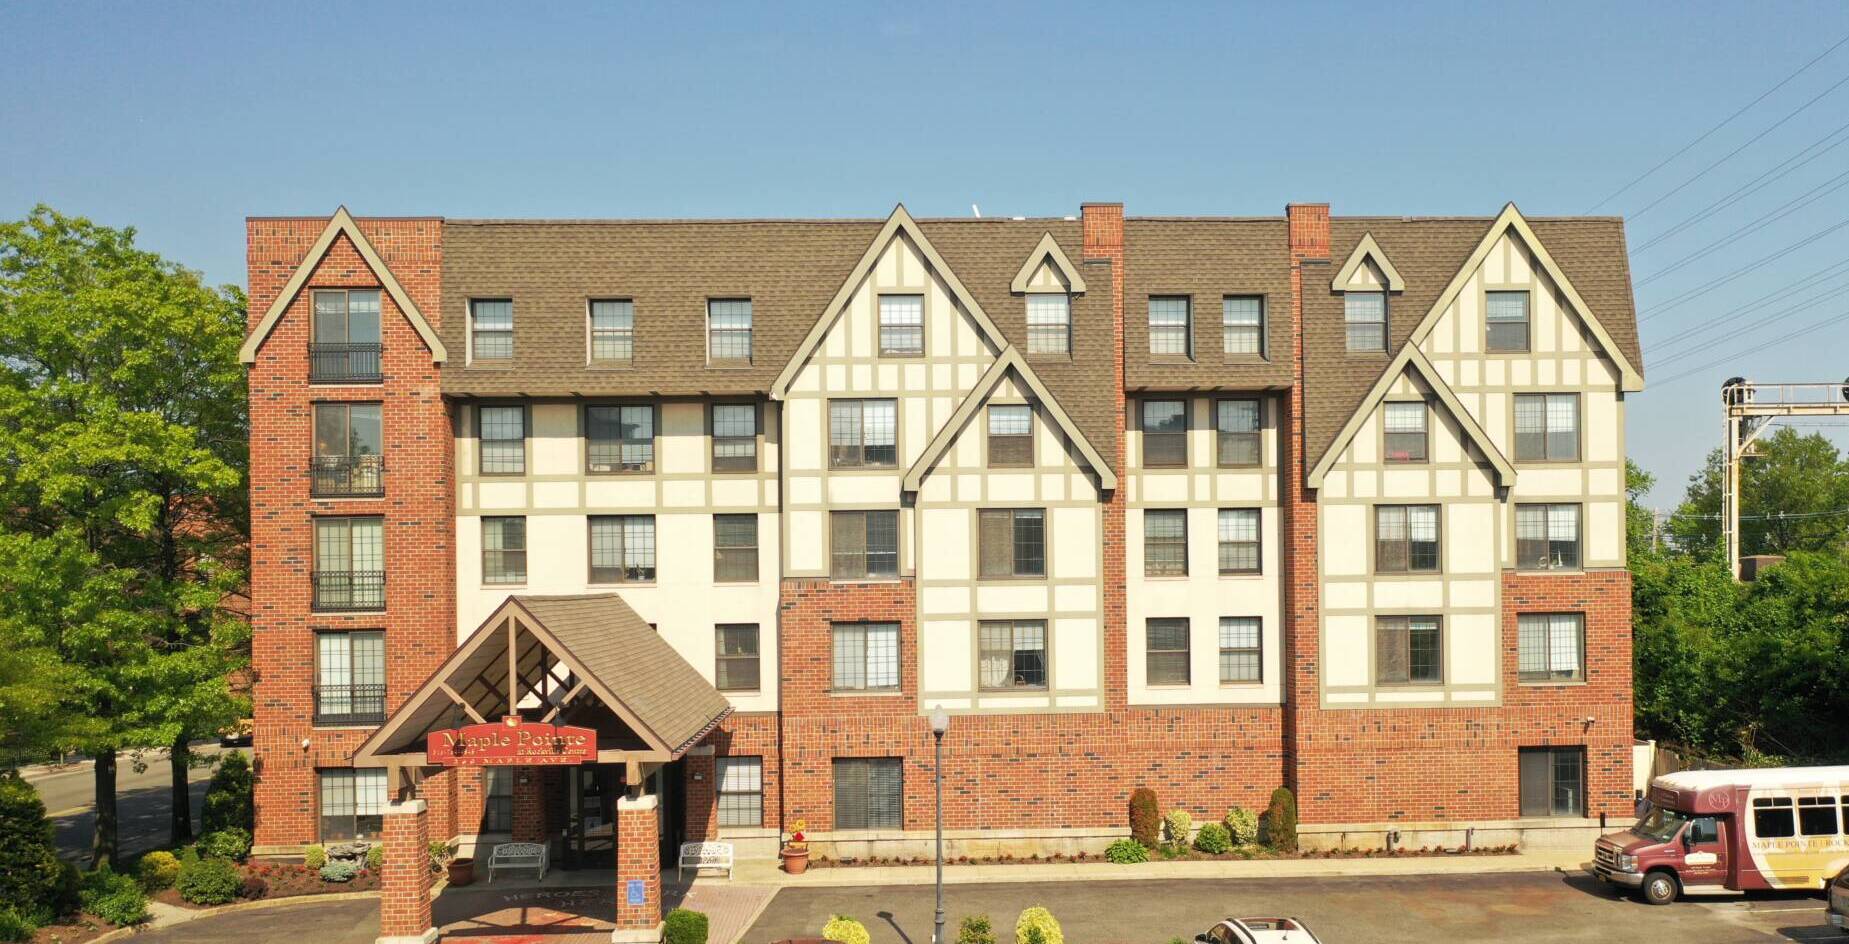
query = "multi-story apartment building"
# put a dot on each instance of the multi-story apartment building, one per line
(1208, 505)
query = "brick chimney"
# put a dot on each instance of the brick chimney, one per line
(1103, 235)
(1309, 245)
(1309, 230)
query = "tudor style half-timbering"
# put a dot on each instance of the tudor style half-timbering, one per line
(1209, 505)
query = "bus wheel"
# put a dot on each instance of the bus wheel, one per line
(1659, 888)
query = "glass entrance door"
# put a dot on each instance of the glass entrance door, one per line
(592, 839)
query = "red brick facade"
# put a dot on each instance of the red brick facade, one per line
(404, 898)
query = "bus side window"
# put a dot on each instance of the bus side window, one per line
(1772, 818)
(1817, 816)
(1702, 829)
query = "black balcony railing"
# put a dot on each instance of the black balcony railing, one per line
(345, 363)
(346, 476)
(349, 704)
(341, 591)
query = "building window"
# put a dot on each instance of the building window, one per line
(728, 325)
(346, 346)
(1551, 647)
(1817, 816)
(1405, 539)
(1236, 424)
(1546, 537)
(1012, 542)
(1169, 331)
(350, 677)
(865, 544)
(1242, 324)
(620, 438)
(613, 330)
(491, 329)
(741, 791)
(1240, 650)
(1547, 427)
(349, 447)
(1011, 436)
(1049, 324)
(1507, 315)
(498, 810)
(866, 657)
(902, 325)
(622, 548)
(503, 550)
(1408, 650)
(1772, 818)
(1553, 781)
(1406, 432)
(869, 793)
(735, 548)
(1165, 651)
(863, 434)
(735, 437)
(503, 439)
(1012, 654)
(1366, 316)
(349, 570)
(1165, 433)
(1239, 544)
(1165, 542)
(736, 668)
(352, 804)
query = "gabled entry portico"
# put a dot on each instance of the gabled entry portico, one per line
(545, 683)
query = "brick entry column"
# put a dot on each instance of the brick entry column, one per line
(638, 859)
(529, 805)
(404, 895)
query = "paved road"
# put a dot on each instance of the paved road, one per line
(1518, 908)
(142, 803)
(330, 922)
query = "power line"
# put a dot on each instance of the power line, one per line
(1724, 122)
(1786, 209)
(1774, 516)
(1776, 173)
(1711, 285)
(1827, 322)
(1749, 143)
(1727, 319)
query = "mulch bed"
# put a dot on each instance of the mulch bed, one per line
(285, 881)
(78, 930)
(1170, 854)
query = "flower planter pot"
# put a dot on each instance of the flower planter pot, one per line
(461, 871)
(795, 861)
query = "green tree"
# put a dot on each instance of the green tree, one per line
(122, 505)
(1791, 498)
(1640, 533)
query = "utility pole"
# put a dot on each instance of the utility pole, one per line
(1750, 408)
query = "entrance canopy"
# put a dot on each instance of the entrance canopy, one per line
(584, 661)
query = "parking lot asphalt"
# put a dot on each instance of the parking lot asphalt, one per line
(1520, 908)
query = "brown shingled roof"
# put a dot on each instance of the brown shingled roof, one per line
(1206, 259)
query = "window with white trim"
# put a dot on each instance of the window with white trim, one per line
(613, 330)
(491, 329)
(741, 791)
(1406, 435)
(352, 803)
(1241, 650)
(1365, 314)
(1169, 325)
(1049, 323)
(1239, 541)
(728, 329)
(1242, 324)
(1165, 542)
(901, 325)
(503, 549)
(866, 657)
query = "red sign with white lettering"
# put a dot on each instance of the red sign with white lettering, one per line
(512, 743)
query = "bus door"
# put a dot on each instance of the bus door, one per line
(1704, 852)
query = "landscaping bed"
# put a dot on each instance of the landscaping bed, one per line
(272, 880)
(1165, 853)
(75, 931)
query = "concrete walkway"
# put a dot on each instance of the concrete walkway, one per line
(765, 872)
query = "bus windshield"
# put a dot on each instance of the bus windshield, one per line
(1660, 825)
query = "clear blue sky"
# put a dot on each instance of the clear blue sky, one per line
(181, 119)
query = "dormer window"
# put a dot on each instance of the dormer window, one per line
(491, 329)
(1242, 324)
(728, 326)
(1366, 316)
(1169, 331)
(613, 330)
(1049, 323)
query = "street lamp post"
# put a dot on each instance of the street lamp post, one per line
(940, 722)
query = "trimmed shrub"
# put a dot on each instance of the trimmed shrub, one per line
(14, 927)
(1145, 817)
(315, 856)
(32, 881)
(684, 927)
(845, 930)
(209, 881)
(339, 871)
(375, 857)
(1036, 926)
(1278, 827)
(976, 929)
(157, 870)
(228, 797)
(1213, 839)
(117, 899)
(253, 888)
(1126, 852)
(229, 843)
(1242, 825)
(1180, 824)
